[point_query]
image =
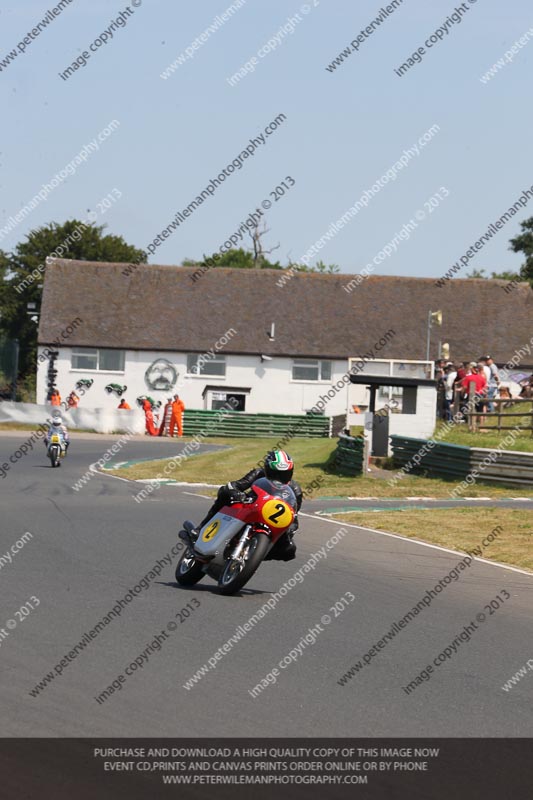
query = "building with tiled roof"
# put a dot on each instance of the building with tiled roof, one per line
(277, 347)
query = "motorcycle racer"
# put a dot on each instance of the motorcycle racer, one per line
(278, 466)
(57, 427)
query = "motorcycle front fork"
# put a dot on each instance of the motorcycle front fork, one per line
(241, 544)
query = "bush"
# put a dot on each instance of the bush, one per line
(27, 389)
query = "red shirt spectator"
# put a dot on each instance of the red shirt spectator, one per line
(479, 381)
(462, 372)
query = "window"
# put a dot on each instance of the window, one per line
(111, 360)
(103, 360)
(389, 392)
(233, 402)
(84, 358)
(410, 369)
(307, 370)
(201, 365)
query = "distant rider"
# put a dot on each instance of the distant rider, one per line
(278, 466)
(57, 427)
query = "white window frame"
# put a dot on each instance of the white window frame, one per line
(311, 362)
(219, 358)
(79, 351)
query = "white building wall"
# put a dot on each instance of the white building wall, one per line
(271, 384)
(420, 425)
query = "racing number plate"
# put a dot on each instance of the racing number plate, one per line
(277, 514)
(211, 531)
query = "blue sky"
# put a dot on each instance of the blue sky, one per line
(343, 129)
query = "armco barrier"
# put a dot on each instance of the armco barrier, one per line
(511, 466)
(455, 462)
(239, 423)
(348, 456)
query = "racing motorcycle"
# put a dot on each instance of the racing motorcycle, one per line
(233, 543)
(56, 449)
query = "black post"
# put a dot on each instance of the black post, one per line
(16, 370)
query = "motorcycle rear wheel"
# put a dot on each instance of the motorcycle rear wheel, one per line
(234, 578)
(188, 571)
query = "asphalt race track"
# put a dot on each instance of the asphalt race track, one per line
(90, 547)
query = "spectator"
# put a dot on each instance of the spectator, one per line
(505, 394)
(482, 362)
(483, 404)
(123, 404)
(493, 381)
(439, 369)
(463, 370)
(526, 392)
(441, 390)
(55, 398)
(450, 374)
(477, 379)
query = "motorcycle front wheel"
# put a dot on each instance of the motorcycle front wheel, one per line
(53, 457)
(189, 571)
(236, 574)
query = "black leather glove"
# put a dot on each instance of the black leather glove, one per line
(237, 497)
(227, 494)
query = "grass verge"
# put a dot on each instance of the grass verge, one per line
(311, 456)
(489, 439)
(460, 529)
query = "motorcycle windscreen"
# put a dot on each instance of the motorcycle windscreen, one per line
(277, 489)
(216, 533)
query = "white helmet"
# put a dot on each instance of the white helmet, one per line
(57, 421)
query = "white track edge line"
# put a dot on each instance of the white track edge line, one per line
(418, 541)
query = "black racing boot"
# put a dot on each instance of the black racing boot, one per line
(283, 550)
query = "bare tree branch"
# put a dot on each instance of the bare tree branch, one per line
(259, 250)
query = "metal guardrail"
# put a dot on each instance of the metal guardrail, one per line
(347, 459)
(442, 461)
(453, 461)
(240, 424)
(511, 466)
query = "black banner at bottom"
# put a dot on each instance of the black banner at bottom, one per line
(135, 769)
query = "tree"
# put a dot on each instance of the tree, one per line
(523, 243)
(256, 258)
(239, 258)
(236, 259)
(476, 273)
(506, 275)
(259, 250)
(26, 265)
(320, 266)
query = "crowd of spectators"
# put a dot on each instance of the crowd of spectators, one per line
(455, 381)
